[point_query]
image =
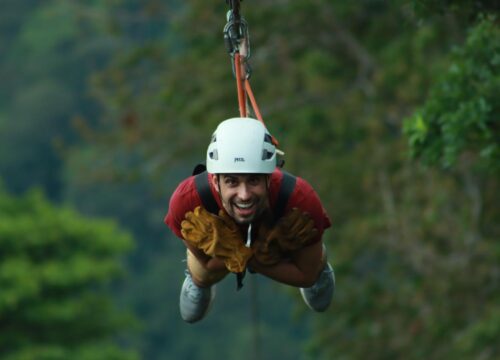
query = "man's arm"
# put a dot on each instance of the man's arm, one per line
(208, 262)
(301, 271)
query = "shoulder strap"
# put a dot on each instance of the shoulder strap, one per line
(198, 169)
(203, 188)
(286, 189)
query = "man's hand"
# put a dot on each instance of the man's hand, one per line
(266, 250)
(217, 236)
(197, 228)
(294, 230)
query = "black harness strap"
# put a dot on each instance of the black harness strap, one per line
(206, 196)
(286, 188)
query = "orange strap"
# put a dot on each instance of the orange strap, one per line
(241, 91)
(255, 107)
(243, 87)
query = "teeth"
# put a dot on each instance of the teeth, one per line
(244, 206)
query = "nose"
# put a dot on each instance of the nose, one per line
(243, 192)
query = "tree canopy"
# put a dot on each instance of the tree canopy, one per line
(461, 114)
(387, 108)
(55, 268)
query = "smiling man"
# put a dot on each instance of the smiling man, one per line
(262, 219)
(244, 197)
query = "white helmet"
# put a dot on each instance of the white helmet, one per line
(241, 146)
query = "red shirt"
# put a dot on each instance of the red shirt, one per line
(185, 198)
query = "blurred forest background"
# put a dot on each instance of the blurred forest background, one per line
(390, 109)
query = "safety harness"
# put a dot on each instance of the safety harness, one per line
(210, 204)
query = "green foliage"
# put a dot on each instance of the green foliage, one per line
(461, 114)
(415, 249)
(49, 50)
(465, 10)
(334, 81)
(55, 268)
(480, 338)
(40, 40)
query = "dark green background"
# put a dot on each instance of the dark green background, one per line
(388, 108)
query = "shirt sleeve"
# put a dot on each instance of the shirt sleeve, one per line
(183, 199)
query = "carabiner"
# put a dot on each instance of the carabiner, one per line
(236, 35)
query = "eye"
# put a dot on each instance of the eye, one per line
(230, 181)
(254, 180)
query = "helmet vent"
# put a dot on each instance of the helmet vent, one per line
(266, 155)
(268, 139)
(214, 155)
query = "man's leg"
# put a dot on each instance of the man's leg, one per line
(198, 290)
(319, 296)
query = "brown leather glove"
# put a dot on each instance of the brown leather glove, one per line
(266, 251)
(217, 236)
(197, 227)
(293, 231)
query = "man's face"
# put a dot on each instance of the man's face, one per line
(244, 196)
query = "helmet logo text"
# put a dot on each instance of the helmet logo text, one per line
(239, 159)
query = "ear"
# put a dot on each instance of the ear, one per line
(215, 181)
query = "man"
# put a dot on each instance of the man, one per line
(247, 231)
